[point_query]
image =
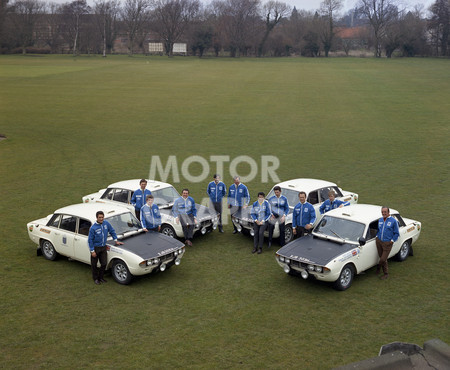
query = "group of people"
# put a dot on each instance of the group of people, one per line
(265, 214)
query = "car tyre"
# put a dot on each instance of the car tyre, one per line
(121, 273)
(345, 278)
(404, 251)
(48, 250)
(288, 234)
(168, 230)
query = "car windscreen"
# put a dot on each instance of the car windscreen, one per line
(340, 228)
(291, 195)
(165, 197)
(124, 222)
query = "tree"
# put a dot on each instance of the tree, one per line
(73, 13)
(274, 12)
(136, 17)
(380, 13)
(328, 10)
(439, 26)
(106, 12)
(24, 17)
(172, 18)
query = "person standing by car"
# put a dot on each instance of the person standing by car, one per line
(185, 213)
(139, 197)
(303, 217)
(260, 214)
(387, 234)
(332, 203)
(280, 209)
(216, 191)
(238, 198)
(150, 215)
(98, 234)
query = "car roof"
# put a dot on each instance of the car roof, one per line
(305, 185)
(135, 184)
(365, 213)
(88, 210)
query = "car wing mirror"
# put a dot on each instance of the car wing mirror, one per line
(361, 241)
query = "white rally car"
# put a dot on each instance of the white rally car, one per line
(316, 192)
(120, 193)
(66, 231)
(343, 244)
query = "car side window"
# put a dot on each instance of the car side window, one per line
(68, 223)
(121, 195)
(399, 220)
(372, 230)
(313, 197)
(84, 226)
(54, 221)
(337, 191)
(108, 194)
(323, 193)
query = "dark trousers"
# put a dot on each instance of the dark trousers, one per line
(301, 231)
(187, 224)
(258, 238)
(233, 210)
(383, 248)
(138, 214)
(102, 256)
(217, 206)
(282, 227)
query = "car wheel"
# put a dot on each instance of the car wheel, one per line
(48, 250)
(345, 278)
(168, 230)
(288, 234)
(404, 251)
(121, 273)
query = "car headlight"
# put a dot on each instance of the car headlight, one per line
(281, 259)
(287, 261)
(311, 267)
(318, 269)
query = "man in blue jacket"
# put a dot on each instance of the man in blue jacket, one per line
(387, 234)
(238, 198)
(303, 217)
(280, 209)
(216, 191)
(139, 197)
(332, 203)
(185, 212)
(150, 215)
(260, 214)
(98, 234)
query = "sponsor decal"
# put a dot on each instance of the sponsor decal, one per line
(301, 259)
(348, 255)
(410, 229)
(42, 229)
(115, 250)
(167, 251)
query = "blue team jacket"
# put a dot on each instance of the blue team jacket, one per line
(328, 206)
(98, 234)
(261, 212)
(239, 196)
(150, 217)
(388, 230)
(279, 206)
(138, 199)
(303, 214)
(182, 206)
(216, 191)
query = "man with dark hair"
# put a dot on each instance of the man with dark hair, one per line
(238, 198)
(260, 214)
(280, 209)
(139, 197)
(98, 234)
(387, 234)
(216, 191)
(150, 215)
(303, 217)
(185, 213)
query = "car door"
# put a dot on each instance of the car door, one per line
(403, 235)
(65, 235)
(368, 255)
(314, 199)
(80, 245)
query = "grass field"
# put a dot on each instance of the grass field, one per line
(376, 127)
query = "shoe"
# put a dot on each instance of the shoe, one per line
(96, 281)
(269, 245)
(385, 276)
(259, 251)
(103, 281)
(254, 250)
(377, 270)
(220, 229)
(235, 231)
